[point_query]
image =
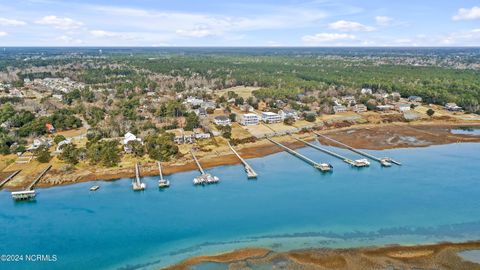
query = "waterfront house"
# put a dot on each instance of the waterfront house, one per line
(128, 137)
(366, 91)
(248, 119)
(50, 128)
(177, 135)
(359, 108)
(339, 108)
(349, 100)
(199, 134)
(402, 107)
(453, 107)
(188, 137)
(271, 117)
(39, 142)
(222, 120)
(288, 113)
(385, 108)
(414, 99)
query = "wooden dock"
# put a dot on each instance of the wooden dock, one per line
(137, 184)
(320, 166)
(198, 163)
(10, 177)
(248, 169)
(380, 160)
(29, 192)
(344, 159)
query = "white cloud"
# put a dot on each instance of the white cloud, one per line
(64, 23)
(11, 22)
(383, 20)
(69, 40)
(2, 34)
(326, 38)
(103, 34)
(197, 32)
(349, 26)
(469, 37)
(467, 14)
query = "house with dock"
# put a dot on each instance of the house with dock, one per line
(222, 120)
(271, 117)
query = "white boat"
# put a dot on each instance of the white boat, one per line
(137, 186)
(324, 167)
(385, 163)
(163, 183)
(362, 162)
(94, 188)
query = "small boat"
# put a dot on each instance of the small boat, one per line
(136, 186)
(324, 167)
(385, 163)
(362, 162)
(163, 183)
(94, 188)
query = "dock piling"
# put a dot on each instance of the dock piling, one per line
(248, 169)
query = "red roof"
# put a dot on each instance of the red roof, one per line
(49, 126)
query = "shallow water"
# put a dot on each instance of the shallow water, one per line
(466, 131)
(433, 197)
(470, 255)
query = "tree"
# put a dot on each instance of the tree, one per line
(233, 117)
(58, 139)
(226, 132)
(70, 154)
(105, 153)
(192, 121)
(137, 148)
(289, 121)
(310, 117)
(43, 154)
(161, 146)
(430, 112)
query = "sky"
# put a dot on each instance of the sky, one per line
(240, 23)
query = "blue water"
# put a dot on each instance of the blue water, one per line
(434, 196)
(466, 131)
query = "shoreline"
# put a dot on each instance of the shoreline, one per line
(422, 256)
(361, 136)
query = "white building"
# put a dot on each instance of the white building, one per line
(359, 108)
(129, 137)
(402, 107)
(339, 108)
(271, 117)
(366, 91)
(248, 119)
(193, 101)
(222, 120)
(288, 113)
(453, 107)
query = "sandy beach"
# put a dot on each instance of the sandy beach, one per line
(441, 256)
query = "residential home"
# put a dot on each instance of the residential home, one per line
(178, 135)
(193, 101)
(349, 100)
(201, 112)
(366, 91)
(288, 113)
(385, 108)
(359, 108)
(188, 137)
(415, 99)
(222, 120)
(271, 117)
(395, 95)
(208, 105)
(39, 142)
(402, 107)
(199, 134)
(248, 119)
(50, 128)
(63, 143)
(339, 108)
(453, 107)
(128, 137)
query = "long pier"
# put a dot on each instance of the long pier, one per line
(137, 183)
(198, 163)
(355, 163)
(382, 161)
(320, 166)
(9, 178)
(248, 169)
(160, 170)
(37, 179)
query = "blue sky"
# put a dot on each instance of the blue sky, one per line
(240, 23)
